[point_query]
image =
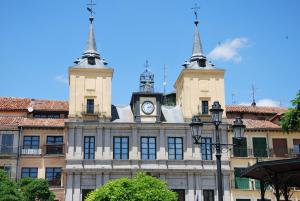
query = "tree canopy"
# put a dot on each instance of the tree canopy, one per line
(141, 188)
(290, 121)
(27, 189)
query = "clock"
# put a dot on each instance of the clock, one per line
(147, 107)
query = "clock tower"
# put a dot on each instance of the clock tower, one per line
(146, 104)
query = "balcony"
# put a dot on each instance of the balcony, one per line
(261, 153)
(54, 149)
(90, 109)
(6, 151)
(31, 151)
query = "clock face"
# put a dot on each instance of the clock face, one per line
(147, 107)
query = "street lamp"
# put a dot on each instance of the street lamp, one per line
(196, 130)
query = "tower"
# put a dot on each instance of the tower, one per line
(90, 83)
(199, 83)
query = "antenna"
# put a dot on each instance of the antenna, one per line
(253, 93)
(165, 81)
(147, 64)
(90, 7)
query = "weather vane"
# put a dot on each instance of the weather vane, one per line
(90, 7)
(196, 8)
(147, 65)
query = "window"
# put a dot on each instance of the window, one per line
(240, 147)
(148, 148)
(280, 147)
(259, 147)
(208, 195)
(296, 147)
(7, 169)
(29, 172)
(90, 106)
(204, 107)
(89, 147)
(31, 142)
(51, 116)
(180, 194)
(7, 143)
(120, 148)
(175, 148)
(54, 145)
(206, 148)
(53, 175)
(243, 200)
(240, 183)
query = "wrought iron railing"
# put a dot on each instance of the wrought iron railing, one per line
(261, 152)
(54, 149)
(90, 109)
(8, 150)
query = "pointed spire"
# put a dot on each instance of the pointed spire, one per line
(91, 57)
(197, 46)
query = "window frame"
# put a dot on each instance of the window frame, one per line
(121, 148)
(204, 107)
(90, 108)
(148, 148)
(31, 145)
(204, 148)
(53, 172)
(175, 148)
(30, 172)
(89, 152)
(207, 197)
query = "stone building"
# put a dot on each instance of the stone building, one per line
(107, 141)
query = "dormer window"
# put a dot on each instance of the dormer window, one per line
(90, 106)
(91, 60)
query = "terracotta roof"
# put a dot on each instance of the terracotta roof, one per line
(257, 124)
(42, 122)
(12, 104)
(10, 122)
(255, 109)
(9, 103)
(52, 105)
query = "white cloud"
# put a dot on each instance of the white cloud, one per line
(264, 102)
(61, 79)
(228, 50)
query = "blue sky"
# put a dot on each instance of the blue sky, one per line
(256, 42)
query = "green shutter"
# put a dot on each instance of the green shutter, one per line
(240, 147)
(257, 184)
(240, 183)
(259, 147)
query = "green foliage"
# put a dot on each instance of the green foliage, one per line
(290, 121)
(140, 188)
(27, 189)
(36, 189)
(8, 189)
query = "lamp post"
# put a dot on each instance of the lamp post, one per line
(196, 130)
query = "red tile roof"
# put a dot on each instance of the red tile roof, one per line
(10, 122)
(9, 103)
(257, 124)
(42, 122)
(13, 104)
(255, 109)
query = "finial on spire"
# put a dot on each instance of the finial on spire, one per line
(147, 65)
(196, 8)
(147, 80)
(253, 92)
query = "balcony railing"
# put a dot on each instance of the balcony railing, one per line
(31, 151)
(54, 149)
(260, 153)
(8, 150)
(90, 109)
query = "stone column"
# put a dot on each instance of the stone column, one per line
(198, 187)
(107, 140)
(191, 195)
(133, 155)
(98, 180)
(105, 178)
(189, 145)
(77, 187)
(99, 148)
(70, 143)
(161, 155)
(69, 188)
(78, 143)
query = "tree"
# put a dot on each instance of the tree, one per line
(8, 189)
(290, 121)
(141, 188)
(35, 189)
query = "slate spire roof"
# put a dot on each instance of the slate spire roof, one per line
(91, 57)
